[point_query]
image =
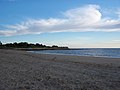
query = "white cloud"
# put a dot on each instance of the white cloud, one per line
(82, 19)
(84, 14)
(116, 41)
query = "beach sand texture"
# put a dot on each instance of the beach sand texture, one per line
(20, 70)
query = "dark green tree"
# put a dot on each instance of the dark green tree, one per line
(54, 46)
(0, 43)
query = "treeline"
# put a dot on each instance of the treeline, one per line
(29, 45)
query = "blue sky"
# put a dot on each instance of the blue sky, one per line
(72, 23)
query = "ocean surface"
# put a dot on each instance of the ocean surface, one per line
(95, 52)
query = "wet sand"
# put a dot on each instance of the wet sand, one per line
(20, 70)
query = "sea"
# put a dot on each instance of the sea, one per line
(94, 52)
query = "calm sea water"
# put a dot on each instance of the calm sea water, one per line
(95, 52)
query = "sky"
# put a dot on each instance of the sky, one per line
(72, 23)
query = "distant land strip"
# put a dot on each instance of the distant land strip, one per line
(30, 46)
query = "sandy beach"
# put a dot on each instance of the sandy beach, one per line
(21, 70)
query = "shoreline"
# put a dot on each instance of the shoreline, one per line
(87, 59)
(21, 70)
(74, 55)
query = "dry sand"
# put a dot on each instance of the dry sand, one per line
(20, 70)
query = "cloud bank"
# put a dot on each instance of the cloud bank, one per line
(82, 19)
